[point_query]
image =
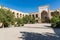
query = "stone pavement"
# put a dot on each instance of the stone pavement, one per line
(30, 32)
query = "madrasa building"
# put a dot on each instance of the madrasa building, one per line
(44, 14)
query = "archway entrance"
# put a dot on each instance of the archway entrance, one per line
(44, 17)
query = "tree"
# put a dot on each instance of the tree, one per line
(55, 19)
(32, 20)
(10, 17)
(6, 17)
(19, 21)
(28, 19)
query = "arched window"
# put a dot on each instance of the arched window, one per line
(36, 15)
(30, 15)
(54, 13)
(20, 15)
(33, 15)
(17, 15)
(13, 12)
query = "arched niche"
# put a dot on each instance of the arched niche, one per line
(44, 17)
(55, 13)
(44, 12)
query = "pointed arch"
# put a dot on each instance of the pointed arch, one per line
(44, 17)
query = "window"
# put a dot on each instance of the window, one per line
(20, 15)
(23, 15)
(33, 15)
(30, 15)
(52, 13)
(13, 12)
(17, 15)
(36, 15)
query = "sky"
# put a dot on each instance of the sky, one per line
(29, 5)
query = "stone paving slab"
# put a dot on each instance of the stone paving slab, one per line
(27, 33)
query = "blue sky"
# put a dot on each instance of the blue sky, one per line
(29, 5)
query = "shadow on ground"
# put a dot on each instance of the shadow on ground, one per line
(43, 36)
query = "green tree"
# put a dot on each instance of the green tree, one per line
(6, 17)
(32, 20)
(28, 19)
(19, 21)
(55, 19)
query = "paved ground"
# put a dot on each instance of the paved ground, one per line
(30, 32)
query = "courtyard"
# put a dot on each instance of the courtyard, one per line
(30, 32)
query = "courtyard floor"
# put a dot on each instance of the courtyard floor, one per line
(30, 32)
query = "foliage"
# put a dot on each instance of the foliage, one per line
(32, 20)
(25, 20)
(6, 17)
(28, 19)
(19, 21)
(55, 20)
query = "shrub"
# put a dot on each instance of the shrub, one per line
(22, 25)
(19, 21)
(6, 17)
(53, 25)
(58, 24)
(55, 21)
(28, 19)
(6, 25)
